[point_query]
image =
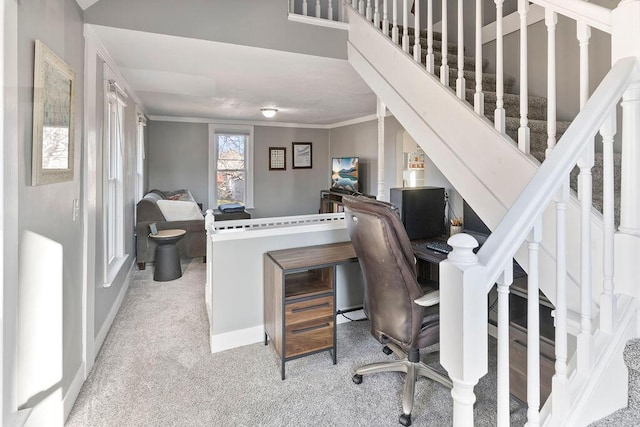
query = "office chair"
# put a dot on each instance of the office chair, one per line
(391, 286)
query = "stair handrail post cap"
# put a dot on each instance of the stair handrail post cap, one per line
(463, 245)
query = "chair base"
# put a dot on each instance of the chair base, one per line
(412, 369)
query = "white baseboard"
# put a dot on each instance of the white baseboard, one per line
(237, 338)
(73, 392)
(104, 330)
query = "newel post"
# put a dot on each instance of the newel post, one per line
(625, 42)
(463, 324)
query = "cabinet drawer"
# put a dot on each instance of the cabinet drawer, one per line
(306, 337)
(313, 309)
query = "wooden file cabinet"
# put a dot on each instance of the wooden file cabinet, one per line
(299, 299)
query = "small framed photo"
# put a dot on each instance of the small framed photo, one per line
(277, 158)
(301, 152)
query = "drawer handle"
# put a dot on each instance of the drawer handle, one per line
(310, 328)
(311, 307)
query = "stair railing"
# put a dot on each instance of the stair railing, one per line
(466, 278)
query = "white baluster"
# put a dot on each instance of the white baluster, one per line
(361, 7)
(380, 112)
(533, 328)
(354, 4)
(585, 338)
(417, 52)
(394, 30)
(330, 10)
(376, 14)
(524, 137)
(304, 7)
(385, 18)
(460, 82)
(608, 299)
(444, 68)
(430, 59)
(405, 26)
(550, 20)
(478, 97)
(584, 34)
(292, 5)
(318, 9)
(369, 11)
(560, 403)
(504, 281)
(499, 114)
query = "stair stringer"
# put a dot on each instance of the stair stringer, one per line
(484, 166)
(588, 403)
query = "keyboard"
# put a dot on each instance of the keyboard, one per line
(437, 246)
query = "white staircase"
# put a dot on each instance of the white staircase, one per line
(570, 251)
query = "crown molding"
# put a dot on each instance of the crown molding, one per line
(362, 119)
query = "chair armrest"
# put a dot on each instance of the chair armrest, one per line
(428, 300)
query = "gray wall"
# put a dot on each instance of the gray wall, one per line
(219, 20)
(177, 157)
(362, 140)
(292, 191)
(47, 210)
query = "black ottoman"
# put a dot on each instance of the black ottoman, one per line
(167, 262)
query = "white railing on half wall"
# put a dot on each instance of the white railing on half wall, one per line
(234, 272)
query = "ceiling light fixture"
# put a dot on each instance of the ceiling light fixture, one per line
(269, 112)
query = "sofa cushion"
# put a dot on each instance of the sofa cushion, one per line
(178, 210)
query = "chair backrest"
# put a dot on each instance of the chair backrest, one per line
(388, 264)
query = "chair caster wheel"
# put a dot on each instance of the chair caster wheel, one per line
(405, 420)
(386, 350)
(357, 379)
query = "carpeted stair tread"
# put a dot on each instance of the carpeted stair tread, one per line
(537, 104)
(437, 44)
(536, 125)
(452, 59)
(488, 80)
(437, 35)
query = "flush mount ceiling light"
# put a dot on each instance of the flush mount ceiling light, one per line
(269, 112)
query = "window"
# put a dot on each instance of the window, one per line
(113, 198)
(231, 165)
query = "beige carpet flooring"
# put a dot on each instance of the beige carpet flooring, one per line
(155, 369)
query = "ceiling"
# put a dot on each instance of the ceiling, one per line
(191, 78)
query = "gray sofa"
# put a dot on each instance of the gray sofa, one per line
(192, 245)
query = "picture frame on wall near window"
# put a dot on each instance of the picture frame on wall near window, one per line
(53, 118)
(301, 155)
(277, 158)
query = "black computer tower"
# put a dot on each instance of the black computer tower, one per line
(421, 210)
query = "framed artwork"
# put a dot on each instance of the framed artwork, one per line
(277, 158)
(53, 118)
(301, 152)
